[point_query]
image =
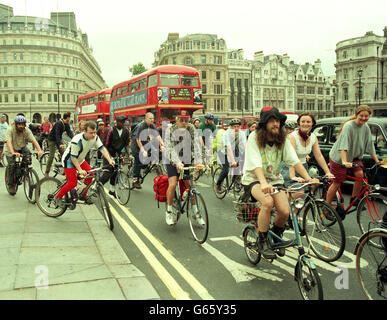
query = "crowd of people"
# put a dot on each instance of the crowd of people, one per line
(270, 152)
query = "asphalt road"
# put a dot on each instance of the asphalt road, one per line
(179, 268)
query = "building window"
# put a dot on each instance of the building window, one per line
(6, 98)
(204, 59)
(359, 52)
(40, 97)
(15, 83)
(32, 97)
(204, 75)
(15, 97)
(310, 90)
(217, 76)
(49, 97)
(320, 90)
(218, 89)
(345, 55)
(204, 88)
(174, 60)
(187, 61)
(345, 94)
(218, 59)
(300, 105)
(300, 89)
(345, 74)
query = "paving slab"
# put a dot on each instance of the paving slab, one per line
(22, 294)
(13, 240)
(58, 240)
(8, 275)
(138, 289)
(9, 256)
(57, 225)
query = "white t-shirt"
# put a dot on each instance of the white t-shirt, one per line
(269, 159)
(78, 148)
(302, 151)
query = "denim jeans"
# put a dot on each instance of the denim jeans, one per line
(137, 166)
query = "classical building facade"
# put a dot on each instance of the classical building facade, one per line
(207, 54)
(361, 73)
(314, 92)
(45, 64)
(235, 86)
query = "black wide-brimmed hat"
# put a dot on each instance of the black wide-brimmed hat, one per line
(271, 112)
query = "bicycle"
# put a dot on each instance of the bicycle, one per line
(122, 184)
(57, 158)
(49, 187)
(371, 262)
(235, 185)
(24, 174)
(145, 170)
(369, 203)
(305, 271)
(183, 201)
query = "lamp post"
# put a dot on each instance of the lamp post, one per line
(58, 114)
(359, 74)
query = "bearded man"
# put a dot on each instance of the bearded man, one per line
(266, 147)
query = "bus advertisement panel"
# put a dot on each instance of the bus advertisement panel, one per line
(163, 90)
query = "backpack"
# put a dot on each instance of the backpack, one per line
(160, 187)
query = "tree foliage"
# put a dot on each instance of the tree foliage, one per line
(137, 69)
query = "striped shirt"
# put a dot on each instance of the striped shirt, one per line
(78, 148)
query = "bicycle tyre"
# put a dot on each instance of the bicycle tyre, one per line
(370, 273)
(16, 186)
(105, 207)
(250, 244)
(326, 236)
(30, 182)
(363, 215)
(308, 283)
(122, 188)
(41, 197)
(197, 231)
(43, 162)
(224, 187)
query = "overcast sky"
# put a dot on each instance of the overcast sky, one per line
(125, 32)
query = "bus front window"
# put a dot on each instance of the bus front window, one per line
(107, 97)
(169, 80)
(189, 81)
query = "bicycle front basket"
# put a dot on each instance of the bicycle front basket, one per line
(246, 211)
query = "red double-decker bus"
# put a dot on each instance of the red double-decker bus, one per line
(93, 106)
(163, 90)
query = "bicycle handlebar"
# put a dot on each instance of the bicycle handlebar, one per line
(296, 189)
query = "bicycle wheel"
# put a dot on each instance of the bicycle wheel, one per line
(45, 193)
(308, 280)
(105, 208)
(324, 230)
(371, 265)
(199, 227)
(30, 182)
(43, 162)
(122, 188)
(237, 187)
(4, 160)
(221, 193)
(375, 204)
(250, 242)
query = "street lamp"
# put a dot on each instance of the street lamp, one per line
(359, 73)
(58, 114)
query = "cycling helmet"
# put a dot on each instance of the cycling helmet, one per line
(290, 125)
(235, 121)
(20, 119)
(209, 116)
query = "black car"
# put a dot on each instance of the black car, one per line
(326, 131)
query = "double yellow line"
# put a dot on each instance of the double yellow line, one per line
(176, 291)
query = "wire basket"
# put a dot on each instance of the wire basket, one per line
(246, 211)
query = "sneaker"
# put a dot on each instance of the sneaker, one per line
(136, 184)
(280, 251)
(200, 220)
(112, 193)
(265, 249)
(59, 202)
(87, 199)
(170, 218)
(12, 190)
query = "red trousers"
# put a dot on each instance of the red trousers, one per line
(72, 181)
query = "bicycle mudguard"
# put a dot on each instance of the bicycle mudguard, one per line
(366, 234)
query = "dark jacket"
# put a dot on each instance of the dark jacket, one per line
(57, 132)
(113, 142)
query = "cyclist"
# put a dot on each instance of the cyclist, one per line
(182, 149)
(115, 139)
(145, 131)
(17, 137)
(290, 126)
(266, 148)
(3, 131)
(251, 125)
(196, 123)
(45, 128)
(304, 142)
(55, 138)
(207, 130)
(354, 139)
(234, 145)
(73, 160)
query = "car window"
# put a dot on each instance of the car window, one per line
(321, 133)
(377, 136)
(334, 132)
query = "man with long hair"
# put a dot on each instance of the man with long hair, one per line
(354, 139)
(266, 147)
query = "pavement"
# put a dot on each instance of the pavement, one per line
(72, 257)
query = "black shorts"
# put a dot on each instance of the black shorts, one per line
(247, 196)
(172, 171)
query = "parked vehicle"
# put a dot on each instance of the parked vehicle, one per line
(326, 131)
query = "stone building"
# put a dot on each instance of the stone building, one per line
(361, 73)
(45, 64)
(207, 54)
(314, 92)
